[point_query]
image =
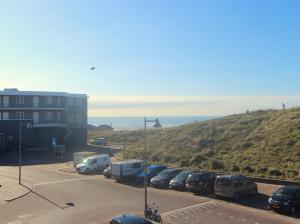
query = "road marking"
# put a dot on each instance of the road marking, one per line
(64, 180)
(185, 210)
(15, 222)
(24, 216)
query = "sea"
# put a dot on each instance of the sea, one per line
(132, 123)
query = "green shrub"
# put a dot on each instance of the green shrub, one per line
(217, 165)
(235, 168)
(275, 173)
(184, 163)
(197, 159)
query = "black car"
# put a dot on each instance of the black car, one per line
(129, 219)
(201, 182)
(179, 182)
(163, 178)
(286, 199)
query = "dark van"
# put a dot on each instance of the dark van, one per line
(201, 182)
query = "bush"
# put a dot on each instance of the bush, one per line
(217, 165)
(184, 163)
(197, 159)
(248, 169)
(275, 173)
(235, 168)
(262, 170)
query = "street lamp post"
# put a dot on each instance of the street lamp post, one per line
(28, 125)
(156, 124)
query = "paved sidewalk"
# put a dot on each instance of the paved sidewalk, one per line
(10, 189)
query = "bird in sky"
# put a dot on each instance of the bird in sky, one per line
(92, 68)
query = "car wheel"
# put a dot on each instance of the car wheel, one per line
(237, 197)
(292, 210)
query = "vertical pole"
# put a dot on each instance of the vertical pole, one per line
(145, 167)
(20, 149)
(124, 145)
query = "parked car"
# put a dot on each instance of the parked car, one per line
(129, 219)
(152, 171)
(286, 199)
(179, 181)
(99, 141)
(163, 178)
(201, 182)
(128, 169)
(94, 163)
(107, 172)
(234, 186)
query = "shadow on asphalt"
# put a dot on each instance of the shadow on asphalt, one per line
(259, 201)
(67, 205)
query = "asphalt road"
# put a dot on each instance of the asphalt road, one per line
(60, 197)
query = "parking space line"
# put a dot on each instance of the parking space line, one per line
(63, 181)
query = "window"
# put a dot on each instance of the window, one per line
(58, 116)
(20, 99)
(48, 116)
(48, 100)
(72, 100)
(78, 101)
(5, 115)
(136, 165)
(241, 181)
(78, 118)
(58, 101)
(20, 115)
(71, 118)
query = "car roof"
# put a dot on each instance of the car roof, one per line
(130, 219)
(200, 172)
(156, 165)
(294, 187)
(129, 161)
(228, 175)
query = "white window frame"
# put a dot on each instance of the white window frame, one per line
(20, 115)
(58, 101)
(48, 100)
(19, 100)
(48, 115)
(6, 115)
(58, 116)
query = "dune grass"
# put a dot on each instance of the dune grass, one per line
(259, 143)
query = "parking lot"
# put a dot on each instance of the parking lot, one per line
(95, 199)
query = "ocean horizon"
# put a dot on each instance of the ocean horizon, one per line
(138, 122)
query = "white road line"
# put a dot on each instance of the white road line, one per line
(24, 216)
(186, 208)
(15, 222)
(64, 180)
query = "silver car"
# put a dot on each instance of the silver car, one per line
(234, 186)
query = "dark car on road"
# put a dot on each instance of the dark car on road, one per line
(162, 180)
(201, 182)
(99, 141)
(129, 219)
(152, 171)
(286, 199)
(179, 182)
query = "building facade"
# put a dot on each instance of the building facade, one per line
(51, 115)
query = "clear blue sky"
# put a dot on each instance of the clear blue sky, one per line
(152, 48)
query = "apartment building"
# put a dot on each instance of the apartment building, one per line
(42, 117)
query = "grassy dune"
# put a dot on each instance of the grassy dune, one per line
(260, 143)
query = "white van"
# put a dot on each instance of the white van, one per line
(126, 169)
(94, 163)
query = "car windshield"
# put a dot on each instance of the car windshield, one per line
(223, 181)
(87, 161)
(183, 175)
(196, 176)
(285, 191)
(167, 172)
